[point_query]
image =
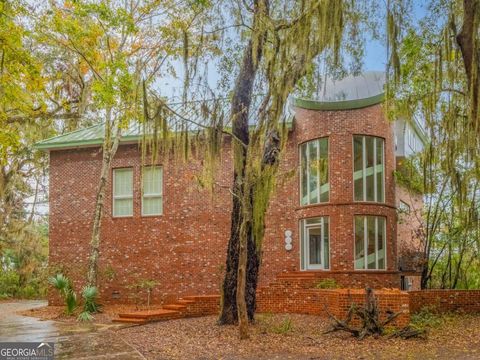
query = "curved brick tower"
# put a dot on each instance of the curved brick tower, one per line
(352, 195)
(341, 208)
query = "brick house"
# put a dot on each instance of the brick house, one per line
(340, 215)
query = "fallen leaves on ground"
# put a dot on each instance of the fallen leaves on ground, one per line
(297, 337)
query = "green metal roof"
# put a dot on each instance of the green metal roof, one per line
(93, 135)
(350, 92)
(193, 110)
(90, 136)
(339, 105)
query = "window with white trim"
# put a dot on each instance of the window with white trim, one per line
(368, 168)
(152, 191)
(314, 181)
(123, 192)
(315, 243)
(370, 243)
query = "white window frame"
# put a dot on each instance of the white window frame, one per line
(307, 159)
(364, 168)
(153, 195)
(365, 242)
(305, 244)
(122, 197)
(411, 138)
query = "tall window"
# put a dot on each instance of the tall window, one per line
(315, 244)
(315, 187)
(152, 194)
(368, 168)
(123, 192)
(370, 242)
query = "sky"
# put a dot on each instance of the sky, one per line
(375, 51)
(374, 60)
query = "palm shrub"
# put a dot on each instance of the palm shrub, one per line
(85, 316)
(64, 286)
(90, 305)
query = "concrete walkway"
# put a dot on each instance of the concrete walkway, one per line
(72, 340)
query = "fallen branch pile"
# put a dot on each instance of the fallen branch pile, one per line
(371, 325)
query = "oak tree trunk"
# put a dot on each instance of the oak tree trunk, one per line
(241, 102)
(241, 193)
(467, 40)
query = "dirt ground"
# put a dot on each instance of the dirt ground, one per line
(282, 337)
(297, 337)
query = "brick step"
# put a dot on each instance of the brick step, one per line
(185, 302)
(177, 307)
(201, 297)
(172, 311)
(165, 315)
(293, 281)
(150, 315)
(126, 320)
(297, 275)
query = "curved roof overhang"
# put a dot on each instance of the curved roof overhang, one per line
(339, 105)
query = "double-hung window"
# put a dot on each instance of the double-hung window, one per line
(123, 192)
(314, 181)
(368, 168)
(152, 194)
(370, 242)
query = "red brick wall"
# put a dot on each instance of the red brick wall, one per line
(287, 298)
(184, 249)
(409, 244)
(445, 300)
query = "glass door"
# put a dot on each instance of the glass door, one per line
(315, 247)
(315, 252)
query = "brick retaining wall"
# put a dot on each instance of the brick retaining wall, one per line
(278, 298)
(445, 300)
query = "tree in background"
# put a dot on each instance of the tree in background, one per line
(33, 98)
(434, 72)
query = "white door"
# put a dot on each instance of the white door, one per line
(314, 246)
